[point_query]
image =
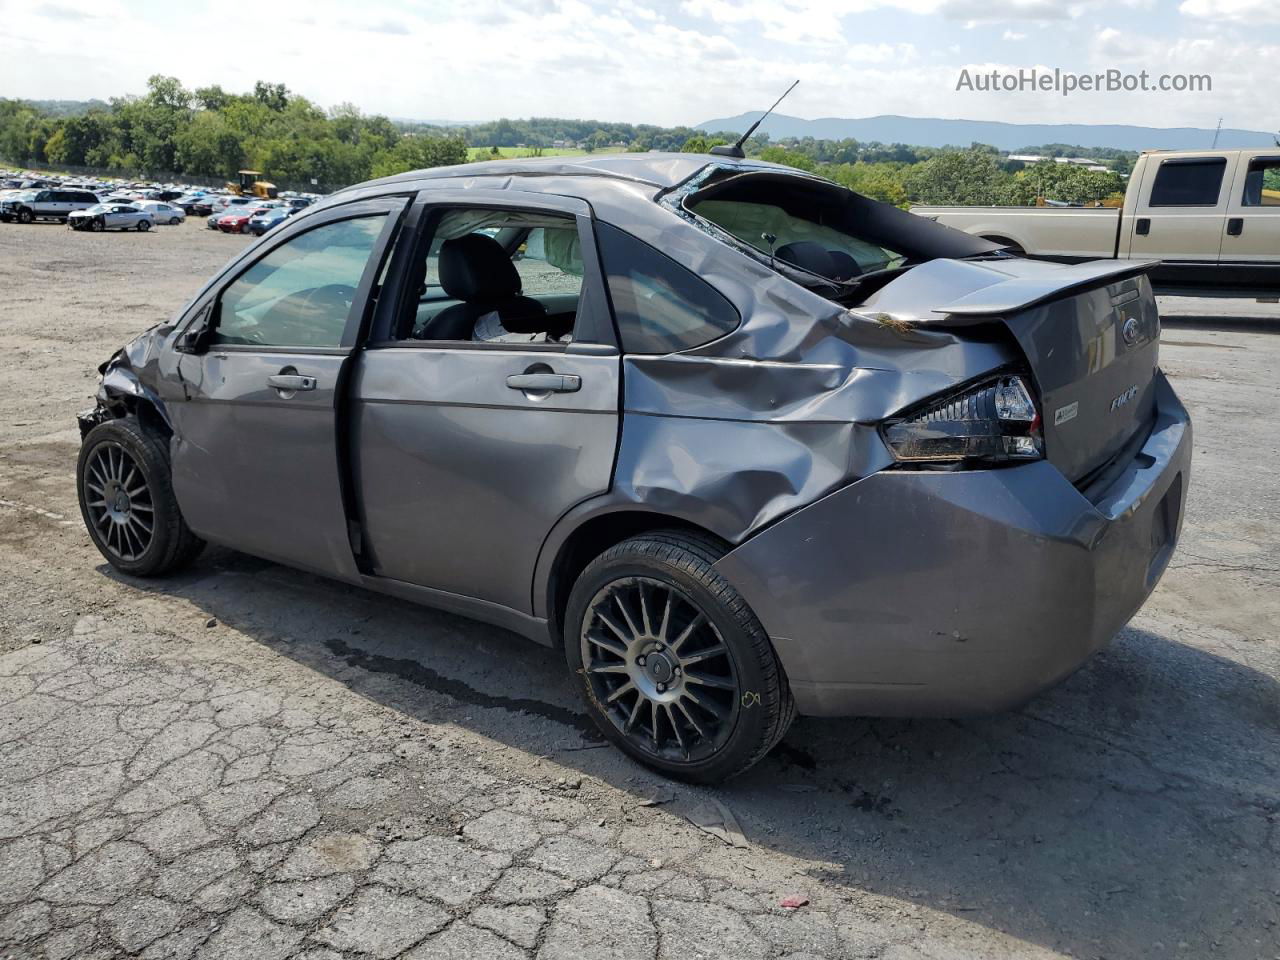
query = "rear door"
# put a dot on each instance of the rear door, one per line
(256, 448)
(1252, 232)
(466, 453)
(1181, 209)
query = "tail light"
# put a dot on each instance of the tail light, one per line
(994, 421)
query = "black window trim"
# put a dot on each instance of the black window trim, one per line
(1220, 162)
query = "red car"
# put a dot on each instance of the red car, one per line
(237, 220)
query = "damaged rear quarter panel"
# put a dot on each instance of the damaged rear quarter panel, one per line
(739, 432)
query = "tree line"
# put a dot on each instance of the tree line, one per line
(210, 132)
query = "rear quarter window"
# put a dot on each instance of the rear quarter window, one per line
(660, 307)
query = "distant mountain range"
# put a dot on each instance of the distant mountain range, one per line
(935, 132)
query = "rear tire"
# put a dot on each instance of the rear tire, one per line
(125, 489)
(673, 666)
(144, 226)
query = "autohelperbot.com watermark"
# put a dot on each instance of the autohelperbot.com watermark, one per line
(1064, 82)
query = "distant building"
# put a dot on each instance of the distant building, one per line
(1085, 162)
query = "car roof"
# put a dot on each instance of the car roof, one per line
(660, 170)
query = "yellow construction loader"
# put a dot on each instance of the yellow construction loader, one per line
(251, 186)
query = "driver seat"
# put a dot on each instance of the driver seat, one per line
(477, 270)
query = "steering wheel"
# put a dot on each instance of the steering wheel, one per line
(331, 296)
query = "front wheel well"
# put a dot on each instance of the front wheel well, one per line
(147, 414)
(593, 538)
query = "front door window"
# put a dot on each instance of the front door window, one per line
(300, 294)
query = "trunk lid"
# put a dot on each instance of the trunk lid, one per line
(1093, 347)
(1090, 334)
(1094, 356)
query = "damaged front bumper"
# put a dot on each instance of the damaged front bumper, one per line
(951, 594)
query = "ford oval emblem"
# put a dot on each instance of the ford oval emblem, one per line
(1130, 331)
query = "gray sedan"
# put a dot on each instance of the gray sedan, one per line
(737, 442)
(112, 216)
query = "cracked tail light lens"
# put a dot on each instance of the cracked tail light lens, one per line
(996, 421)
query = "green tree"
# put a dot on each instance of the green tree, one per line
(208, 146)
(965, 177)
(418, 153)
(790, 158)
(273, 96)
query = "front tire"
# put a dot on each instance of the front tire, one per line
(672, 664)
(126, 497)
(174, 221)
(144, 226)
(26, 216)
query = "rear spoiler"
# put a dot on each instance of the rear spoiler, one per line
(1018, 293)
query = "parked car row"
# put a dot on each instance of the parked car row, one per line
(103, 205)
(254, 216)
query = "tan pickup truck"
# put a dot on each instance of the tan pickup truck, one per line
(1211, 216)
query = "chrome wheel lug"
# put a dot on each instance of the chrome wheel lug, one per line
(676, 672)
(639, 661)
(662, 688)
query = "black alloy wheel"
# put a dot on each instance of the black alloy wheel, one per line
(673, 665)
(660, 669)
(119, 502)
(127, 501)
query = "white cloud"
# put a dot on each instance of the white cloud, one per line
(678, 61)
(1236, 11)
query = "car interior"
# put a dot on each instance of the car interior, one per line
(496, 276)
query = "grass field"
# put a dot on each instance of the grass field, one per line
(485, 153)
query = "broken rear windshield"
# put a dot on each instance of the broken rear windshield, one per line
(813, 230)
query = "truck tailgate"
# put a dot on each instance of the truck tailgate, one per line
(1078, 232)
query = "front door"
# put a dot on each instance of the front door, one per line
(490, 406)
(1252, 232)
(255, 454)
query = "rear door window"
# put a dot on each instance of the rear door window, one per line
(1189, 183)
(660, 307)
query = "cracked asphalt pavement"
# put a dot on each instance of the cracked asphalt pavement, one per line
(247, 761)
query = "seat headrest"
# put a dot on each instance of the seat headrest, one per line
(846, 267)
(808, 256)
(476, 268)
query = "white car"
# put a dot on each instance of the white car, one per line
(225, 202)
(164, 212)
(112, 216)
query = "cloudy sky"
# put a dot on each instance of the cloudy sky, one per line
(659, 61)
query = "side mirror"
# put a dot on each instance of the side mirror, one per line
(195, 339)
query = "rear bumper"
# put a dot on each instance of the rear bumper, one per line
(951, 594)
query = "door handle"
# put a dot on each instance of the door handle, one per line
(545, 382)
(1235, 226)
(291, 382)
(1143, 226)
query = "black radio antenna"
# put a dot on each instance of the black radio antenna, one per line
(735, 150)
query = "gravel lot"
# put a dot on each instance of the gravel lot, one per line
(251, 762)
